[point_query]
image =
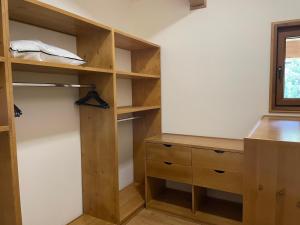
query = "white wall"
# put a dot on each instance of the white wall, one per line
(215, 73)
(216, 59)
(48, 140)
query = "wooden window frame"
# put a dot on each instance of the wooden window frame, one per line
(280, 31)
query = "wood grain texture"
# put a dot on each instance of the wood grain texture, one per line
(130, 42)
(4, 128)
(277, 128)
(130, 75)
(219, 160)
(166, 153)
(173, 172)
(153, 217)
(43, 15)
(46, 67)
(272, 153)
(133, 109)
(9, 182)
(96, 48)
(232, 145)
(219, 180)
(99, 154)
(132, 198)
(146, 61)
(173, 201)
(89, 220)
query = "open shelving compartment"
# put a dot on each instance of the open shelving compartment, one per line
(163, 197)
(220, 209)
(139, 98)
(193, 202)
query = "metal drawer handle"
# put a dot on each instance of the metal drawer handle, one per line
(168, 163)
(219, 171)
(168, 145)
(219, 151)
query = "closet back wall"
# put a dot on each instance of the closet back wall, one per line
(48, 139)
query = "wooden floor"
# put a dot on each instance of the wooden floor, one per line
(153, 217)
(145, 217)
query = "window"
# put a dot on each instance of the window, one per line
(285, 67)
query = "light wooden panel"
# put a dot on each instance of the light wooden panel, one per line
(10, 213)
(130, 42)
(46, 67)
(131, 200)
(49, 17)
(146, 61)
(96, 48)
(129, 75)
(99, 156)
(277, 128)
(89, 220)
(230, 145)
(4, 128)
(148, 126)
(132, 109)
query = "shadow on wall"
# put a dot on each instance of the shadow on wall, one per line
(122, 14)
(47, 112)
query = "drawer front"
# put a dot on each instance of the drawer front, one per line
(220, 160)
(219, 180)
(173, 172)
(170, 153)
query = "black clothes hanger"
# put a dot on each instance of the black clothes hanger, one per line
(95, 96)
(18, 111)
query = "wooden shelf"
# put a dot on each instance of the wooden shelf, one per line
(173, 201)
(89, 220)
(46, 67)
(130, 75)
(43, 15)
(4, 129)
(131, 200)
(133, 109)
(2, 59)
(131, 43)
(212, 209)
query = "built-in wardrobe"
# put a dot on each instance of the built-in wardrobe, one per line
(100, 129)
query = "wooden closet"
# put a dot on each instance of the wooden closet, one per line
(96, 43)
(272, 166)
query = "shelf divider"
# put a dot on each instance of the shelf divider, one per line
(46, 67)
(133, 109)
(131, 75)
(4, 129)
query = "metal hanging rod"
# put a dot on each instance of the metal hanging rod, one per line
(22, 84)
(129, 119)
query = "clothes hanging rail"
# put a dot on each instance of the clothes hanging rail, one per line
(129, 119)
(22, 84)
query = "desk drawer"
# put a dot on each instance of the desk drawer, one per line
(171, 153)
(219, 180)
(220, 160)
(169, 171)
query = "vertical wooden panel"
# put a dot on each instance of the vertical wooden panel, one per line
(148, 126)
(288, 186)
(10, 213)
(146, 61)
(99, 156)
(96, 47)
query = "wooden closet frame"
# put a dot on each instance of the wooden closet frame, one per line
(96, 43)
